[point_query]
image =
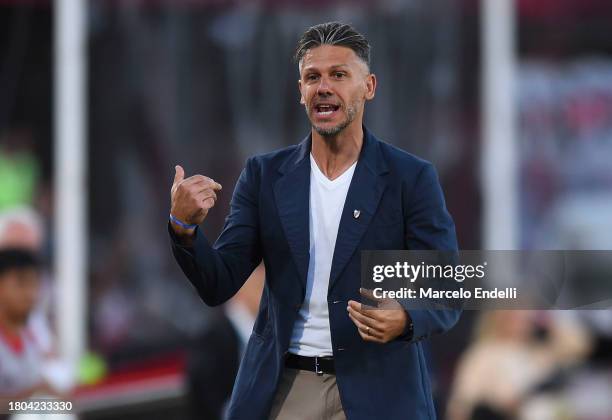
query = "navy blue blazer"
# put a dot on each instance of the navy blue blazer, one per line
(402, 207)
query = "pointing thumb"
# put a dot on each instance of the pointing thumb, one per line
(179, 175)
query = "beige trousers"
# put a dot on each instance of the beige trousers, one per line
(304, 395)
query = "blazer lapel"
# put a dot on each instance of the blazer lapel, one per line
(365, 191)
(292, 197)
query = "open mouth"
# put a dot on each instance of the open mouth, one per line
(326, 110)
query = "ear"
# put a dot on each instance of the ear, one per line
(302, 101)
(370, 86)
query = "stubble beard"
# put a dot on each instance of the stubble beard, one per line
(351, 112)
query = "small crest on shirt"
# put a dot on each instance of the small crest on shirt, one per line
(356, 214)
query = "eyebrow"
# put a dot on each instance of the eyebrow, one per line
(334, 67)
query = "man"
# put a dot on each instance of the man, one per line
(28, 362)
(20, 356)
(307, 211)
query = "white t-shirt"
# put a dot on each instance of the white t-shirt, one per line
(311, 335)
(20, 369)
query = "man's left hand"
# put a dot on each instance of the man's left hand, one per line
(379, 324)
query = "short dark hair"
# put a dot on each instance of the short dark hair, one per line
(17, 258)
(333, 33)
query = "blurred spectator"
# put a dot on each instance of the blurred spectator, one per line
(27, 298)
(20, 356)
(215, 356)
(517, 355)
(21, 227)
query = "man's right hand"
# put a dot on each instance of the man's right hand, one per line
(191, 200)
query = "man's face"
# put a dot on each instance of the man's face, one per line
(18, 292)
(21, 235)
(334, 84)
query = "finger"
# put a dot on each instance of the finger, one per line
(196, 188)
(369, 294)
(359, 306)
(366, 320)
(367, 310)
(367, 337)
(202, 182)
(196, 180)
(205, 194)
(364, 328)
(374, 313)
(179, 174)
(207, 198)
(209, 203)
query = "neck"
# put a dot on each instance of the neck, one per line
(335, 154)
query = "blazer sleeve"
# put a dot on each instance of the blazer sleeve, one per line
(428, 226)
(219, 271)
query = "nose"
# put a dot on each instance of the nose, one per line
(324, 89)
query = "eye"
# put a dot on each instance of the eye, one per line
(339, 75)
(312, 77)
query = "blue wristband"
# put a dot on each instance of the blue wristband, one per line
(182, 224)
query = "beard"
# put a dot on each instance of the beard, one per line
(351, 112)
